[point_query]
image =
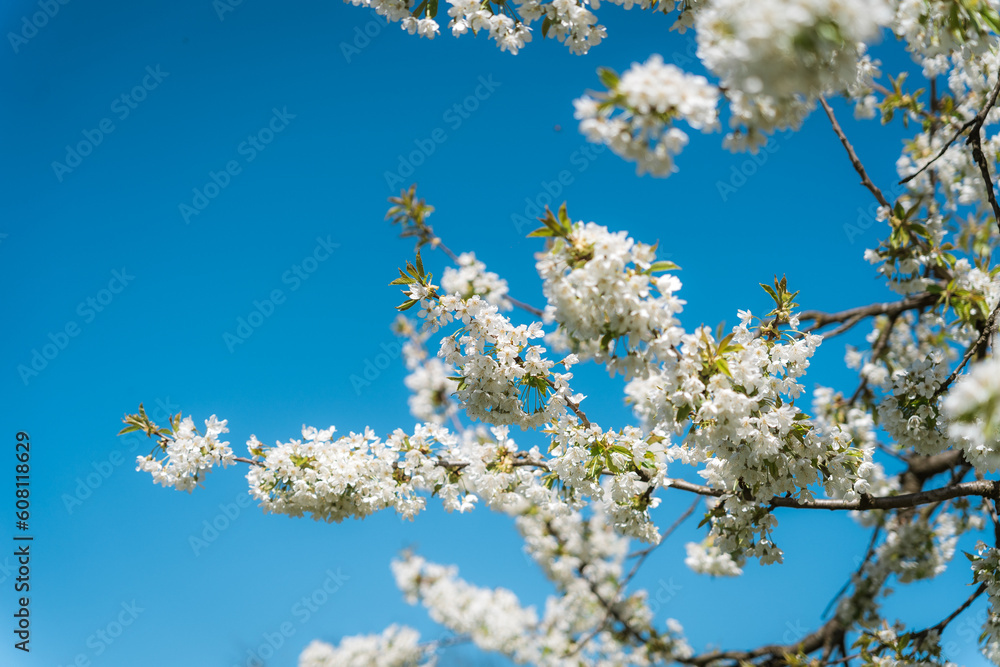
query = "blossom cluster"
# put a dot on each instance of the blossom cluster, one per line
(471, 278)
(396, 646)
(430, 380)
(787, 48)
(973, 408)
(355, 475)
(503, 379)
(986, 566)
(635, 116)
(935, 30)
(568, 21)
(747, 433)
(773, 58)
(706, 558)
(188, 454)
(609, 305)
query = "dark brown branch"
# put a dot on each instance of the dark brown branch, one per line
(820, 319)
(827, 635)
(610, 607)
(965, 126)
(644, 554)
(575, 407)
(984, 488)
(952, 616)
(976, 141)
(858, 167)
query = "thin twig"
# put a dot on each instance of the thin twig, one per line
(965, 126)
(941, 625)
(250, 461)
(984, 337)
(880, 345)
(976, 140)
(858, 167)
(869, 552)
(644, 554)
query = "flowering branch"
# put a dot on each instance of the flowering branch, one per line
(983, 488)
(984, 337)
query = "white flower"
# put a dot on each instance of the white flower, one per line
(973, 406)
(189, 455)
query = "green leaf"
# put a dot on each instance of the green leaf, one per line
(565, 222)
(406, 305)
(656, 267)
(542, 231)
(608, 77)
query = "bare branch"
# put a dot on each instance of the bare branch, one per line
(858, 167)
(965, 126)
(976, 140)
(913, 302)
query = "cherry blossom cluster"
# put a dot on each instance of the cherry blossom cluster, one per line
(430, 379)
(706, 558)
(493, 618)
(188, 455)
(774, 58)
(934, 30)
(584, 557)
(604, 293)
(787, 48)
(635, 462)
(973, 408)
(471, 278)
(396, 646)
(569, 21)
(747, 433)
(351, 476)
(636, 116)
(986, 566)
(502, 378)
(510, 35)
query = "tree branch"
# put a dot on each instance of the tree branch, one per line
(941, 625)
(984, 337)
(976, 140)
(965, 126)
(858, 167)
(828, 634)
(820, 319)
(986, 488)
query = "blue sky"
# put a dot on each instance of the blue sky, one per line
(134, 294)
